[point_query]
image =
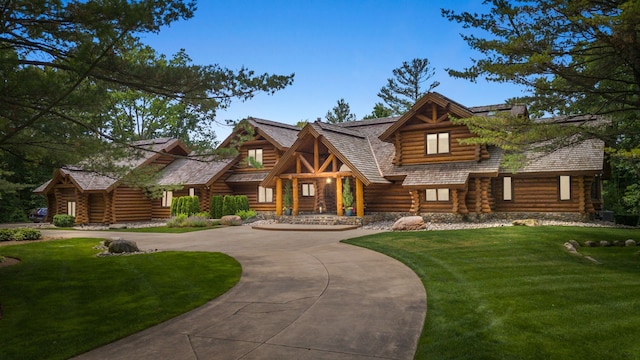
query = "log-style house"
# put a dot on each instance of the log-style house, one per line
(409, 164)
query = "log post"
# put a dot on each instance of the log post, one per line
(454, 200)
(339, 196)
(294, 188)
(359, 198)
(278, 197)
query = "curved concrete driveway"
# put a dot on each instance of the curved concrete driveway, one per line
(302, 295)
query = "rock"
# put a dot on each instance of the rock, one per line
(575, 244)
(618, 243)
(590, 243)
(123, 246)
(118, 226)
(108, 242)
(232, 220)
(570, 247)
(605, 243)
(630, 242)
(526, 222)
(409, 223)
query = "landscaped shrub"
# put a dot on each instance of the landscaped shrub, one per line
(216, 207)
(229, 205)
(61, 220)
(197, 220)
(26, 234)
(242, 203)
(19, 234)
(6, 234)
(246, 214)
(177, 220)
(188, 205)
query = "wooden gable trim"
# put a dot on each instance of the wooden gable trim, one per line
(433, 98)
(289, 155)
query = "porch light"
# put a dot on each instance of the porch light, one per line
(328, 180)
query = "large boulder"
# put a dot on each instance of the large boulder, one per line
(630, 242)
(123, 246)
(409, 223)
(232, 220)
(526, 222)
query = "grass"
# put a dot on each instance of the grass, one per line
(62, 300)
(516, 293)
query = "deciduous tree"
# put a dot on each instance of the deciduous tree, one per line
(60, 61)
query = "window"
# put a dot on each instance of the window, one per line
(437, 194)
(167, 198)
(71, 208)
(438, 143)
(265, 195)
(507, 188)
(565, 187)
(256, 154)
(192, 192)
(308, 190)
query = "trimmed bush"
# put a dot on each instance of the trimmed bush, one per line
(26, 234)
(61, 220)
(232, 204)
(6, 234)
(188, 205)
(242, 203)
(229, 205)
(19, 234)
(216, 207)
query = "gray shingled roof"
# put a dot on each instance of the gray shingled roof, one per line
(249, 176)
(356, 149)
(587, 155)
(91, 181)
(441, 174)
(193, 170)
(283, 134)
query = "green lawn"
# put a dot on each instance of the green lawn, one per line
(62, 300)
(516, 293)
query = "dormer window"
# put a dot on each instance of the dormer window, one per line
(256, 155)
(437, 143)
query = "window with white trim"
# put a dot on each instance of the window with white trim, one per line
(265, 195)
(71, 208)
(308, 190)
(437, 143)
(167, 198)
(565, 187)
(507, 188)
(437, 194)
(256, 155)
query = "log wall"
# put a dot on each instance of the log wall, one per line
(541, 194)
(387, 198)
(131, 204)
(270, 155)
(97, 208)
(251, 190)
(413, 145)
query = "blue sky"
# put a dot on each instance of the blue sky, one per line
(337, 49)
